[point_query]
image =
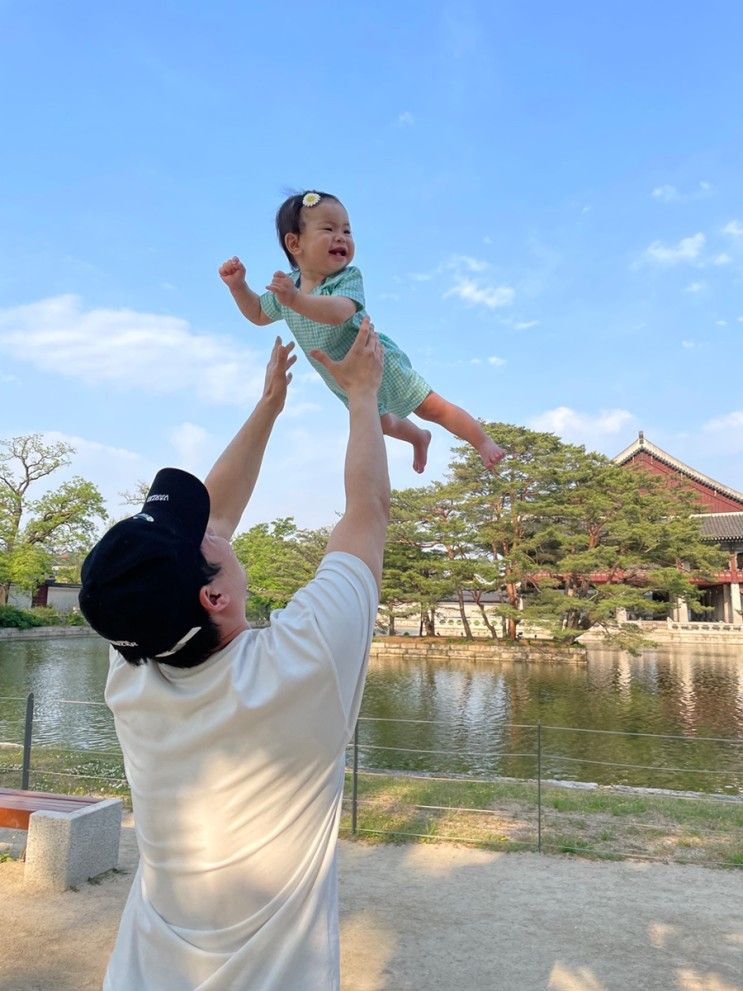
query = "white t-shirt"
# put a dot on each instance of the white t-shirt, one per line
(236, 772)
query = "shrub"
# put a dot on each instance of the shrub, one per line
(21, 619)
(47, 616)
(24, 619)
(74, 619)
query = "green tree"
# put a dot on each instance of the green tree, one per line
(504, 510)
(575, 537)
(619, 535)
(34, 533)
(418, 570)
(279, 559)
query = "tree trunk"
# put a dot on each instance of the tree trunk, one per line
(391, 624)
(4, 593)
(463, 614)
(486, 621)
(513, 600)
(428, 622)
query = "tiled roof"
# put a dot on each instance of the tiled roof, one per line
(641, 444)
(722, 526)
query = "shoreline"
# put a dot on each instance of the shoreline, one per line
(46, 632)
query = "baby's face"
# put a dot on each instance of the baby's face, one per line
(325, 245)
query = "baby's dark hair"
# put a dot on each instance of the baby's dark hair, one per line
(289, 217)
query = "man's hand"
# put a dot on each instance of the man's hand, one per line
(283, 288)
(278, 375)
(232, 479)
(361, 369)
(232, 273)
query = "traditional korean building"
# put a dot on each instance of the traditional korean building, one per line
(721, 524)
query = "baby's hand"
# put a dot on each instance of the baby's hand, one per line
(283, 288)
(232, 272)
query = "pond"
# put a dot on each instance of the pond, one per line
(456, 719)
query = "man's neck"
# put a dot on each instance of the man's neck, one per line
(229, 633)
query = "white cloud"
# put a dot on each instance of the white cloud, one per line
(405, 119)
(474, 282)
(491, 296)
(467, 262)
(584, 428)
(191, 443)
(695, 287)
(85, 448)
(722, 259)
(666, 193)
(734, 229)
(687, 250)
(689, 345)
(525, 324)
(112, 469)
(493, 360)
(141, 352)
(730, 421)
(670, 194)
(721, 323)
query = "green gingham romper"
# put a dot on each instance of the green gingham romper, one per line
(402, 389)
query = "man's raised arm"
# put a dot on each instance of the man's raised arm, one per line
(231, 481)
(363, 527)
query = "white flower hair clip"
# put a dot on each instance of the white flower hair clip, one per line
(311, 199)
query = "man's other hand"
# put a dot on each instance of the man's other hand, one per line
(362, 367)
(278, 375)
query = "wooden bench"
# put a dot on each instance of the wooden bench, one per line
(70, 838)
(16, 807)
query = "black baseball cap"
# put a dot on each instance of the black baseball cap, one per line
(140, 583)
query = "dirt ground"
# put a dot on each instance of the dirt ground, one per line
(442, 918)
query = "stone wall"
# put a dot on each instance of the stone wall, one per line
(475, 652)
(46, 633)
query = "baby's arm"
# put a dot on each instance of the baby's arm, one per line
(321, 309)
(232, 273)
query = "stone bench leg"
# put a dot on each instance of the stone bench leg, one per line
(66, 848)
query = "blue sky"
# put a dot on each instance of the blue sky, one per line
(546, 200)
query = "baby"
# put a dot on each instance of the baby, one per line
(322, 301)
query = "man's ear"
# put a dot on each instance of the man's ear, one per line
(212, 600)
(291, 242)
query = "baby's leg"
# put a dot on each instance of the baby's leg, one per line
(458, 422)
(394, 426)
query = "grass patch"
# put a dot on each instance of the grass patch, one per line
(504, 816)
(497, 815)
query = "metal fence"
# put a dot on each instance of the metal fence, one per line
(535, 812)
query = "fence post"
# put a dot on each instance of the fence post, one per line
(539, 787)
(27, 741)
(355, 778)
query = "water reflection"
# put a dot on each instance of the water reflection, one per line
(474, 719)
(479, 711)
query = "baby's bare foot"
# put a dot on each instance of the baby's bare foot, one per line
(420, 450)
(490, 453)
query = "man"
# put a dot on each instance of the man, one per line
(234, 739)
